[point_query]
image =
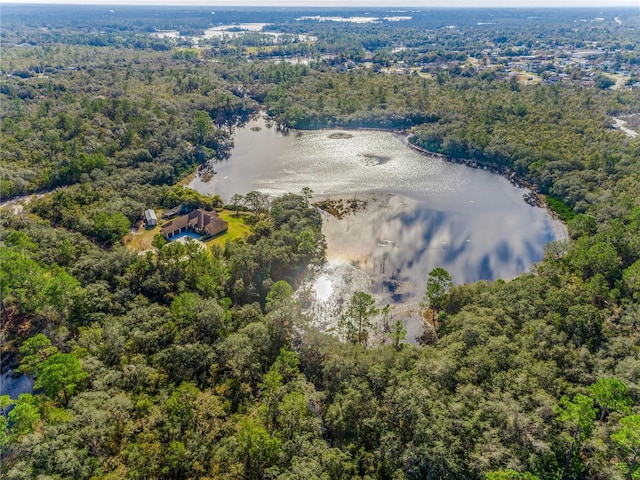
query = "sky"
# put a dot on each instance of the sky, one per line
(359, 3)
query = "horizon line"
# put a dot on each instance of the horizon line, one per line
(463, 4)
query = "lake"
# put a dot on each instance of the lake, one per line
(421, 212)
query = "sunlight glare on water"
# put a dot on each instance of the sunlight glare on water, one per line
(274, 163)
(323, 288)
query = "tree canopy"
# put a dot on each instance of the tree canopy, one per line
(183, 363)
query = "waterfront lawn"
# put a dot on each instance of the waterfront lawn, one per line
(238, 227)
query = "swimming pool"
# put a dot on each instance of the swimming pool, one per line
(183, 237)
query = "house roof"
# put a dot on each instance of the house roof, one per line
(209, 222)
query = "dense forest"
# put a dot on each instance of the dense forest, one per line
(182, 363)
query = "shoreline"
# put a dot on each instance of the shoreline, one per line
(533, 198)
(405, 137)
(505, 172)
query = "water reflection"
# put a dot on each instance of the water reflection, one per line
(398, 240)
(13, 385)
(421, 212)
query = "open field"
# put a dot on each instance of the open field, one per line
(140, 239)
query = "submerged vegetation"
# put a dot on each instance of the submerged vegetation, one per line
(186, 362)
(341, 207)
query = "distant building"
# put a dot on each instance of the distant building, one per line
(346, 66)
(150, 218)
(198, 221)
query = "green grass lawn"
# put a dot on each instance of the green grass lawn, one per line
(238, 227)
(256, 50)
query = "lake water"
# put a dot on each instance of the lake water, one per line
(13, 385)
(421, 213)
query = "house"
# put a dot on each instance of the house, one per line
(198, 221)
(150, 218)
